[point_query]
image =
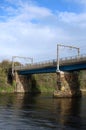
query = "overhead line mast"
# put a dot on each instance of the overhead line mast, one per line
(60, 45)
(13, 57)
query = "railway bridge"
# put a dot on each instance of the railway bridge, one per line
(67, 74)
(67, 64)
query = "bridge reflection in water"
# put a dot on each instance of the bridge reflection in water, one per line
(28, 112)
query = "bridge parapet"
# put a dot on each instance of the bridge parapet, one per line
(62, 61)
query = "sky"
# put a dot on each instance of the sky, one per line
(33, 28)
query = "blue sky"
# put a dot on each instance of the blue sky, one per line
(33, 28)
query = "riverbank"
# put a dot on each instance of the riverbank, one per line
(36, 82)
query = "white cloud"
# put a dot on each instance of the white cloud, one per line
(73, 18)
(34, 31)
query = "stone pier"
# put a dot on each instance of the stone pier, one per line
(22, 83)
(67, 85)
(25, 83)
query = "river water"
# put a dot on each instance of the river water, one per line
(41, 112)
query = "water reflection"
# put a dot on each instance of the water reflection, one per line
(28, 112)
(68, 111)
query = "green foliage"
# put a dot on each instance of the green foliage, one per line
(4, 69)
(13, 84)
(39, 82)
(2, 77)
(82, 79)
(6, 89)
(45, 82)
(5, 64)
(17, 64)
(46, 88)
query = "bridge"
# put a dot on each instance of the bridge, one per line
(66, 64)
(66, 70)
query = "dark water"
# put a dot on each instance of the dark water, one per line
(41, 112)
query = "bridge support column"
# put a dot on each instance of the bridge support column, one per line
(67, 85)
(22, 83)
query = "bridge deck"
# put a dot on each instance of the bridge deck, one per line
(67, 64)
(62, 62)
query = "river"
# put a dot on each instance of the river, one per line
(41, 112)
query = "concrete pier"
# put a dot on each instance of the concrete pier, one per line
(67, 85)
(22, 83)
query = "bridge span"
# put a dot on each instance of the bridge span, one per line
(67, 78)
(66, 64)
(67, 73)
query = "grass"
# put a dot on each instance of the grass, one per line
(8, 89)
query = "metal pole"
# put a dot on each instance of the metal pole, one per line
(32, 60)
(78, 52)
(19, 57)
(60, 45)
(57, 58)
(12, 66)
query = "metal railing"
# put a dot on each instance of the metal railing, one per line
(62, 61)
